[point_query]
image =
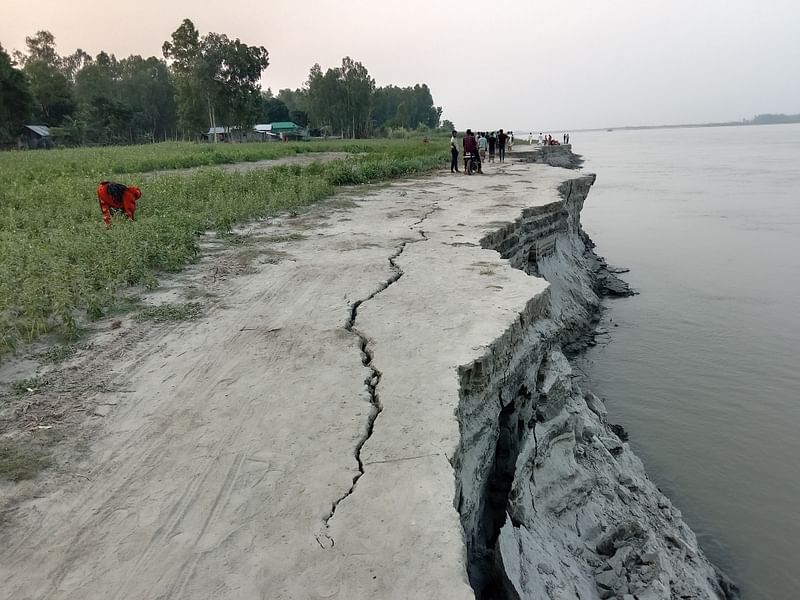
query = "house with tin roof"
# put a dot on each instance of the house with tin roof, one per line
(261, 132)
(34, 136)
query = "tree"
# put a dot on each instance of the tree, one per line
(41, 47)
(447, 125)
(16, 99)
(358, 88)
(73, 63)
(340, 100)
(51, 88)
(407, 107)
(122, 101)
(100, 113)
(215, 75)
(274, 110)
(322, 98)
(191, 96)
(98, 79)
(109, 121)
(147, 86)
(294, 99)
(300, 117)
(52, 92)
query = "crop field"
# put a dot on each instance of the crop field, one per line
(60, 265)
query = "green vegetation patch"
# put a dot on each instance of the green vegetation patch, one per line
(58, 353)
(28, 386)
(286, 237)
(171, 312)
(59, 264)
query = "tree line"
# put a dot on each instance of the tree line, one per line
(200, 82)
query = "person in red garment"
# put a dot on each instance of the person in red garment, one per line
(470, 146)
(117, 197)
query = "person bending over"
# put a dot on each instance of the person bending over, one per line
(119, 198)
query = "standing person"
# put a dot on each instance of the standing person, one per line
(510, 142)
(492, 146)
(530, 138)
(470, 150)
(453, 153)
(483, 145)
(567, 139)
(541, 138)
(502, 138)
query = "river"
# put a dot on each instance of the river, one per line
(703, 367)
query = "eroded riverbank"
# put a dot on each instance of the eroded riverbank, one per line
(382, 409)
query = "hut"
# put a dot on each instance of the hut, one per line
(33, 137)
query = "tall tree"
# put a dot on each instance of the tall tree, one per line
(358, 88)
(148, 87)
(191, 98)
(52, 92)
(16, 99)
(98, 79)
(52, 89)
(128, 100)
(215, 75)
(294, 99)
(340, 100)
(40, 47)
(407, 107)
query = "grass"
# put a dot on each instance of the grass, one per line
(171, 312)
(59, 265)
(24, 386)
(58, 353)
(102, 163)
(287, 237)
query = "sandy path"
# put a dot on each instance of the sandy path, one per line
(226, 468)
(302, 160)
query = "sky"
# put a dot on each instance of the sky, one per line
(518, 64)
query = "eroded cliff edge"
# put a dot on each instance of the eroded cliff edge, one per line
(381, 408)
(553, 503)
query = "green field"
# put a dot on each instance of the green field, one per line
(59, 264)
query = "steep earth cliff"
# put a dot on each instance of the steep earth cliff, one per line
(553, 502)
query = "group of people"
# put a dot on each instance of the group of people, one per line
(479, 148)
(547, 140)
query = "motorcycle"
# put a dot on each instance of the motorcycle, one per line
(472, 163)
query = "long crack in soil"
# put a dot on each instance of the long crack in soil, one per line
(324, 539)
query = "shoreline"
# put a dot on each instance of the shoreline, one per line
(305, 437)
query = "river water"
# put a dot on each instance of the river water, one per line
(703, 367)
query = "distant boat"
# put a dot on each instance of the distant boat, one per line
(609, 130)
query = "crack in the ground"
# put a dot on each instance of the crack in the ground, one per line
(323, 539)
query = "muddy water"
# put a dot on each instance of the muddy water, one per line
(703, 369)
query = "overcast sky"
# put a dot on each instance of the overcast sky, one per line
(518, 64)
